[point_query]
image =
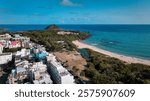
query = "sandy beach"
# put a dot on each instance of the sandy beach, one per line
(127, 59)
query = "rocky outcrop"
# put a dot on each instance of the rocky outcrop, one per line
(53, 27)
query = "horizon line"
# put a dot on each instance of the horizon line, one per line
(74, 24)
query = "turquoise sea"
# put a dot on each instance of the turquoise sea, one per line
(130, 40)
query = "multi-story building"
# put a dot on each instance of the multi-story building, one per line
(4, 43)
(59, 74)
(14, 44)
(22, 75)
(39, 66)
(39, 74)
(1, 49)
(5, 36)
(42, 78)
(18, 76)
(5, 58)
(26, 72)
(23, 53)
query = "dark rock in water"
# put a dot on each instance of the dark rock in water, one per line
(53, 27)
(3, 29)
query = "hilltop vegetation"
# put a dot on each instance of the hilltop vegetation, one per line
(53, 41)
(102, 69)
(53, 27)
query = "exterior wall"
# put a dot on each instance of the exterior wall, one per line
(67, 79)
(59, 75)
(23, 52)
(1, 49)
(54, 73)
(5, 58)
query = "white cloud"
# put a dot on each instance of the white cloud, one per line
(69, 3)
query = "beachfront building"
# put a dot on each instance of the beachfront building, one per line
(58, 73)
(5, 58)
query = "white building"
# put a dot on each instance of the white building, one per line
(43, 78)
(4, 43)
(23, 52)
(5, 36)
(39, 74)
(67, 33)
(5, 58)
(1, 49)
(26, 72)
(18, 76)
(24, 64)
(39, 66)
(19, 37)
(59, 74)
(14, 44)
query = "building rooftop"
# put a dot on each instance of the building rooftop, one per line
(44, 79)
(5, 54)
(20, 69)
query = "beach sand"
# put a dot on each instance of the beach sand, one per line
(127, 59)
(72, 59)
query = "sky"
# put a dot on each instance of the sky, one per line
(74, 11)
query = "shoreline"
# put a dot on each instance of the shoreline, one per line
(127, 59)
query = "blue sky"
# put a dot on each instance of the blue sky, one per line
(74, 11)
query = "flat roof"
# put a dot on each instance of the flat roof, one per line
(5, 54)
(20, 69)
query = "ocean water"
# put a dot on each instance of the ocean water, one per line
(130, 40)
